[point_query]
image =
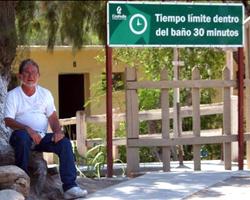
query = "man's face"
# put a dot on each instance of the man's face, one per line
(29, 76)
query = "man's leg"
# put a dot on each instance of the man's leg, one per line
(63, 149)
(21, 142)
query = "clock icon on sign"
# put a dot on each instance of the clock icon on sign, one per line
(138, 24)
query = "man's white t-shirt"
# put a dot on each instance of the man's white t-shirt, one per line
(32, 111)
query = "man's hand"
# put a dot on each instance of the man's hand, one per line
(57, 137)
(36, 137)
(56, 128)
(13, 124)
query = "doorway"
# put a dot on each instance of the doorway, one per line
(71, 98)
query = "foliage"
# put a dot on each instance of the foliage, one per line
(122, 153)
(98, 94)
(146, 155)
(214, 151)
(95, 160)
(150, 62)
(95, 130)
(24, 15)
(8, 39)
(60, 22)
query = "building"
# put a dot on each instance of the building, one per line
(73, 77)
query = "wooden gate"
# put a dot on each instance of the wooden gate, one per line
(135, 140)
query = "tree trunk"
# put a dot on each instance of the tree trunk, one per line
(8, 44)
(8, 38)
(4, 132)
(6, 152)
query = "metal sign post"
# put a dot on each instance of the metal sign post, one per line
(240, 108)
(109, 114)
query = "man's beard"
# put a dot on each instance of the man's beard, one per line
(31, 85)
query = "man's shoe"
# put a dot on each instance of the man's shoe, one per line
(75, 192)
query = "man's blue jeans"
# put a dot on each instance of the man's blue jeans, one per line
(22, 142)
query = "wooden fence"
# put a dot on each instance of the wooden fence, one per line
(135, 140)
(225, 135)
(81, 121)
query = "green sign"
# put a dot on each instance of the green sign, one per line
(158, 24)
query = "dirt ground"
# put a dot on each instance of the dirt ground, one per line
(53, 191)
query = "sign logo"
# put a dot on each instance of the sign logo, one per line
(119, 15)
(119, 10)
(138, 24)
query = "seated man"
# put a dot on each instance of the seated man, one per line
(29, 108)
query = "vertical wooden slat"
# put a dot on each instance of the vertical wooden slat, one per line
(177, 120)
(81, 132)
(196, 119)
(165, 122)
(176, 103)
(227, 120)
(234, 126)
(132, 121)
(234, 109)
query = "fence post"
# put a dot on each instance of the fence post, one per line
(196, 119)
(165, 122)
(81, 132)
(234, 126)
(132, 121)
(227, 120)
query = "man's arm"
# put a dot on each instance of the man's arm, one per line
(13, 124)
(56, 127)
